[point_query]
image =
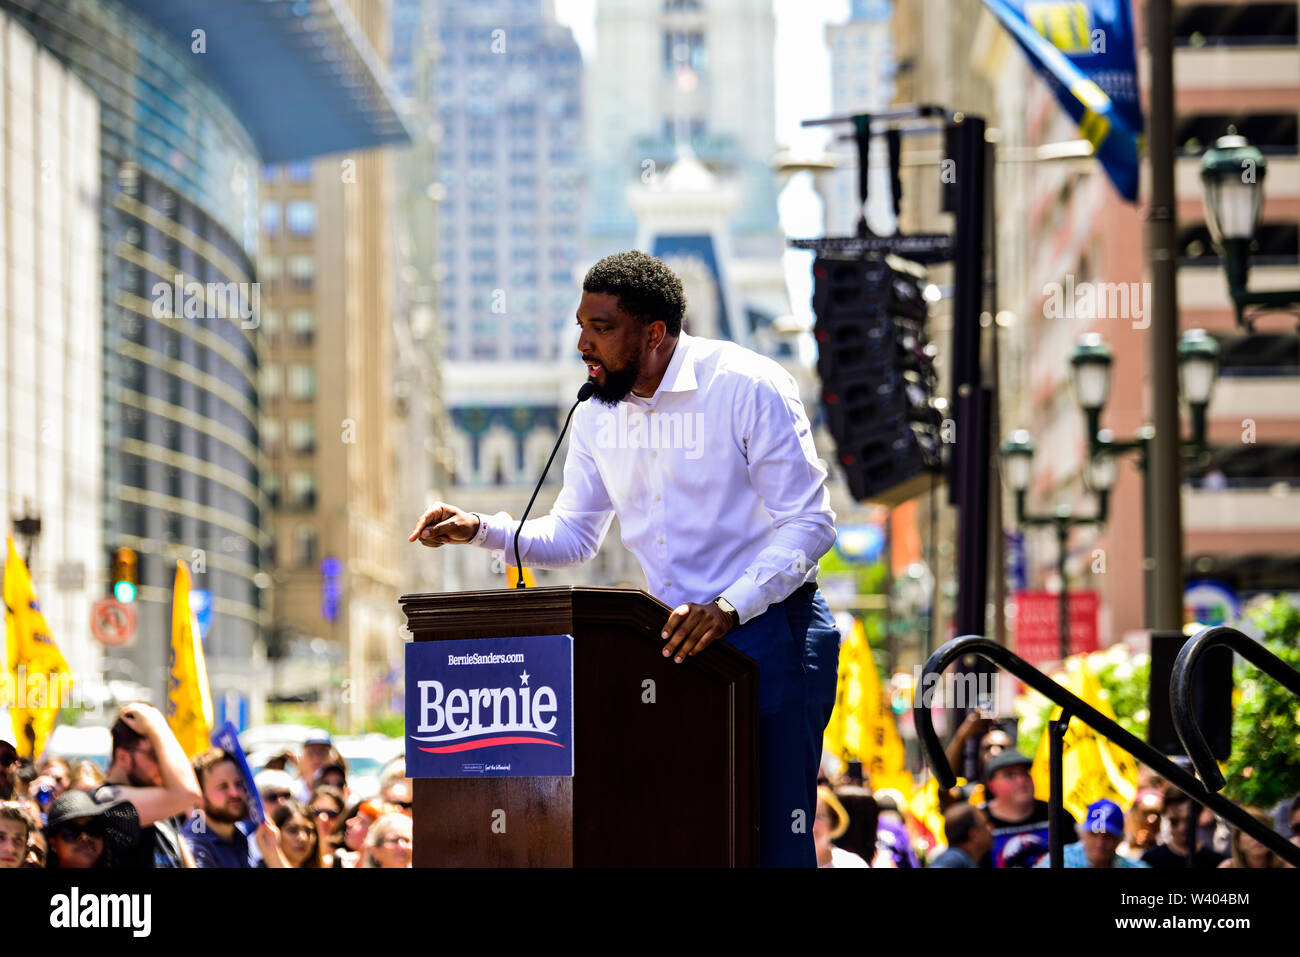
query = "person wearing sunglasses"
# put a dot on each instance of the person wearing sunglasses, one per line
(399, 793)
(275, 787)
(388, 844)
(326, 810)
(83, 834)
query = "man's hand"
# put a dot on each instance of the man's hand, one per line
(143, 719)
(444, 525)
(267, 837)
(691, 628)
(976, 725)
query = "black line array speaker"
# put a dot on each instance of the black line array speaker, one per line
(877, 372)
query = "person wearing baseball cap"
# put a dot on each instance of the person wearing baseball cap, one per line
(1099, 836)
(317, 750)
(1019, 820)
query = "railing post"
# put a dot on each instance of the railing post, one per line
(1182, 779)
(1055, 796)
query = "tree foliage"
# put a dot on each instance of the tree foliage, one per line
(1124, 678)
(1264, 766)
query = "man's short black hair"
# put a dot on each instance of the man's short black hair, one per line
(645, 287)
(124, 737)
(958, 821)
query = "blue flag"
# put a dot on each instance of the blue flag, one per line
(227, 738)
(1084, 50)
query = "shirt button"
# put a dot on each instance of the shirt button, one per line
(658, 497)
(667, 584)
(661, 541)
(654, 455)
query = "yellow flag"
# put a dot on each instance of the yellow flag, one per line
(189, 704)
(924, 806)
(37, 680)
(862, 724)
(1091, 767)
(512, 577)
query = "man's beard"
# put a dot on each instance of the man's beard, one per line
(138, 780)
(223, 816)
(618, 383)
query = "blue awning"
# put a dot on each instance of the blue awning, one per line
(300, 74)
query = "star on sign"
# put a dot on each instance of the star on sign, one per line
(523, 678)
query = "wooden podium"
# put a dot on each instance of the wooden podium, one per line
(665, 755)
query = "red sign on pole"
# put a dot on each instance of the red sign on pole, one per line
(1037, 635)
(111, 622)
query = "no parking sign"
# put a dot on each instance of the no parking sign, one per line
(111, 622)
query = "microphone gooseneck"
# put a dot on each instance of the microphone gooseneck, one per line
(587, 390)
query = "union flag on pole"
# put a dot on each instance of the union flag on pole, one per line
(36, 678)
(189, 702)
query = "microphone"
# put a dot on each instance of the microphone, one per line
(587, 390)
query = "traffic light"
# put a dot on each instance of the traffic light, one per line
(878, 379)
(126, 574)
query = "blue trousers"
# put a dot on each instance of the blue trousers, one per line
(797, 647)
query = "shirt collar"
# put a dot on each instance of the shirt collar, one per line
(680, 374)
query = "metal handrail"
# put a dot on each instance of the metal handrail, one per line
(1180, 691)
(1074, 706)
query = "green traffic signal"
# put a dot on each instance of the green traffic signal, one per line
(126, 574)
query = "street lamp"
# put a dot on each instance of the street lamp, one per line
(1232, 174)
(29, 530)
(1017, 456)
(1100, 475)
(1090, 377)
(1017, 461)
(1198, 373)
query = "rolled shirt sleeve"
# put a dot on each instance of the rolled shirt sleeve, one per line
(578, 521)
(784, 470)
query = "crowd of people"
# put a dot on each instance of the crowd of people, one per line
(156, 808)
(996, 821)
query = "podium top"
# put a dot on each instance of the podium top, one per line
(504, 610)
(567, 609)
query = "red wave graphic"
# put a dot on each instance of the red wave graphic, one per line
(488, 743)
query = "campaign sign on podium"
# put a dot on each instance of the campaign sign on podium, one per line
(490, 707)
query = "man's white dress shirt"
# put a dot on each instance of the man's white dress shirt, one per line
(714, 479)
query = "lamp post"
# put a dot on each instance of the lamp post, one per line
(1232, 175)
(29, 530)
(1017, 460)
(1198, 372)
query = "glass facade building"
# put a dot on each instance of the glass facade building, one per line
(178, 199)
(194, 98)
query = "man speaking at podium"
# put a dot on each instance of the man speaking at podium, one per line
(703, 450)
